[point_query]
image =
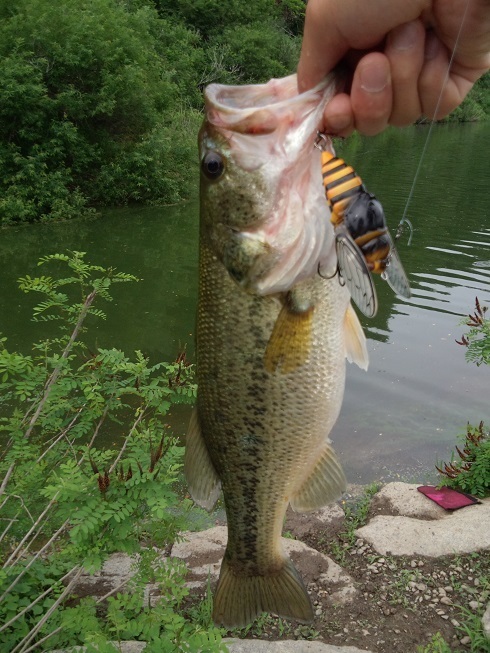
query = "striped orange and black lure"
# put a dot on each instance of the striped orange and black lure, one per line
(364, 244)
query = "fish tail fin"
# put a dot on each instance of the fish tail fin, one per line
(290, 341)
(241, 599)
(355, 340)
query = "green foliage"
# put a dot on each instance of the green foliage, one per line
(355, 516)
(437, 644)
(259, 52)
(477, 339)
(210, 17)
(472, 627)
(471, 471)
(84, 85)
(100, 100)
(476, 105)
(66, 500)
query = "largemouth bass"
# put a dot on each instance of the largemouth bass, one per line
(272, 338)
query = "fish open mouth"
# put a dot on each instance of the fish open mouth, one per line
(262, 108)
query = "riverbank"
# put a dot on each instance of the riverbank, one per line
(364, 596)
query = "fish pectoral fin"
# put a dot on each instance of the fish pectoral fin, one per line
(355, 340)
(290, 341)
(240, 599)
(202, 479)
(324, 485)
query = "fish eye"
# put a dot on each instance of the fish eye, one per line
(213, 165)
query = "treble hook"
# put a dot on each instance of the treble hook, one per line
(401, 227)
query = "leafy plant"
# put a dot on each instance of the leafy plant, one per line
(477, 339)
(67, 500)
(437, 644)
(84, 87)
(471, 473)
(472, 627)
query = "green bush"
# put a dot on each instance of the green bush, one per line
(242, 42)
(259, 52)
(84, 85)
(470, 471)
(211, 17)
(67, 500)
(477, 339)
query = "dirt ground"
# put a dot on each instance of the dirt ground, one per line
(400, 603)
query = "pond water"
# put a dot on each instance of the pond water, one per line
(400, 417)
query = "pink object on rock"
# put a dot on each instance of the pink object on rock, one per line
(447, 498)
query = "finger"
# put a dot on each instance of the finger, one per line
(469, 23)
(405, 52)
(338, 116)
(332, 28)
(371, 94)
(438, 98)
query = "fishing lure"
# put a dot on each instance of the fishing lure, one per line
(364, 244)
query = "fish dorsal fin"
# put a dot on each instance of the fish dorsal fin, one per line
(355, 340)
(290, 341)
(202, 479)
(324, 485)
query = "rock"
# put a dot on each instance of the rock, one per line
(287, 646)
(485, 621)
(115, 572)
(123, 647)
(302, 524)
(404, 499)
(461, 531)
(245, 646)
(204, 550)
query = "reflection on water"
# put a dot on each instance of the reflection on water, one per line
(419, 391)
(400, 416)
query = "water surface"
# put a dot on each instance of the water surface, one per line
(401, 416)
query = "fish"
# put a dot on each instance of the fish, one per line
(272, 339)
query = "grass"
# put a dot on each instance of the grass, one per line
(266, 623)
(355, 517)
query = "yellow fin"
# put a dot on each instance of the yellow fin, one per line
(355, 340)
(290, 341)
(325, 484)
(241, 599)
(202, 479)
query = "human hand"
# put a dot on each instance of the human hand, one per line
(398, 53)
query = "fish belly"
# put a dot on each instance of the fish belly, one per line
(266, 434)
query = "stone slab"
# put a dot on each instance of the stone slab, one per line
(203, 552)
(404, 499)
(287, 646)
(462, 531)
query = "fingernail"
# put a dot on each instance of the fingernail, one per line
(404, 37)
(432, 46)
(373, 79)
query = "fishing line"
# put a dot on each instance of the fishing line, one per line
(404, 220)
